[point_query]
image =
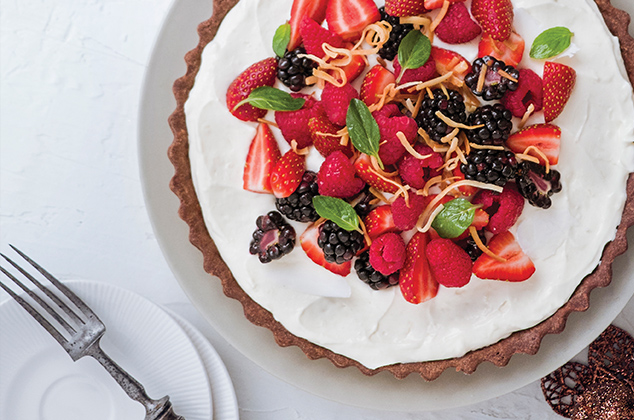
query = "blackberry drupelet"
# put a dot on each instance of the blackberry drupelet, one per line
(469, 245)
(490, 166)
(293, 70)
(498, 123)
(370, 276)
(495, 84)
(452, 107)
(536, 185)
(363, 201)
(299, 205)
(339, 245)
(273, 238)
(398, 32)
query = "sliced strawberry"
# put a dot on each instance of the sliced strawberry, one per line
(517, 267)
(314, 9)
(374, 84)
(353, 69)
(480, 219)
(447, 61)
(466, 190)
(436, 4)
(546, 137)
(348, 18)
(559, 80)
(415, 279)
(308, 241)
(510, 51)
(401, 8)
(262, 156)
(494, 16)
(314, 36)
(262, 73)
(379, 221)
(287, 174)
(366, 172)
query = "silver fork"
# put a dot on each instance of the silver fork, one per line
(85, 333)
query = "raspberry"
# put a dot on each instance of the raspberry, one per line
(387, 253)
(504, 208)
(294, 124)
(391, 121)
(450, 265)
(405, 217)
(422, 74)
(336, 100)
(416, 172)
(337, 178)
(457, 27)
(529, 90)
(314, 35)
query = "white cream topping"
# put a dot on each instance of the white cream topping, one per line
(381, 328)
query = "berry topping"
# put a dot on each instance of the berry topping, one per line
(529, 92)
(450, 61)
(348, 18)
(415, 278)
(545, 137)
(504, 208)
(299, 205)
(294, 124)
(516, 266)
(497, 121)
(450, 265)
(339, 245)
(337, 177)
(400, 8)
(372, 277)
(498, 78)
(353, 69)
(559, 80)
(287, 174)
(314, 36)
(536, 185)
(263, 154)
(457, 27)
(314, 9)
(324, 135)
(379, 221)
(495, 17)
(416, 172)
(273, 238)
(436, 4)
(391, 122)
(292, 70)
(387, 253)
(490, 166)
(336, 101)
(405, 216)
(509, 51)
(451, 107)
(422, 74)
(309, 242)
(470, 246)
(390, 48)
(365, 171)
(374, 84)
(257, 75)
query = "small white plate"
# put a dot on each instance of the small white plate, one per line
(40, 381)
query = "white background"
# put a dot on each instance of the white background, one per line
(71, 74)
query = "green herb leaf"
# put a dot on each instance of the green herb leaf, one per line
(363, 129)
(455, 217)
(337, 210)
(266, 97)
(281, 39)
(551, 42)
(414, 51)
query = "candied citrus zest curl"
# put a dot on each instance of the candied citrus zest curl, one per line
(539, 153)
(507, 76)
(449, 137)
(482, 78)
(379, 195)
(429, 142)
(417, 21)
(452, 123)
(377, 168)
(297, 150)
(486, 146)
(364, 230)
(476, 238)
(440, 16)
(408, 147)
(527, 114)
(267, 122)
(433, 82)
(432, 181)
(431, 218)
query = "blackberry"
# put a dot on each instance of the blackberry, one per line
(498, 123)
(536, 185)
(389, 50)
(299, 205)
(293, 70)
(495, 85)
(490, 166)
(469, 245)
(339, 245)
(452, 107)
(370, 276)
(273, 238)
(363, 204)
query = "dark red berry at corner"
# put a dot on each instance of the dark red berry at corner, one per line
(387, 253)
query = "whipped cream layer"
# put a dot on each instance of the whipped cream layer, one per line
(379, 327)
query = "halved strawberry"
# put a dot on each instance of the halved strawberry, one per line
(559, 80)
(314, 9)
(510, 51)
(401, 8)
(374, 84)
(379, 221)
(466, 190)
(415, 279)
(436, 4)
(262, 156)
(517, 267)
(494, 16)
(352, 70)
(447, 61)
(480, 219)
(365, 171)
(308, 241)
(546, 137)
(262, 73)
(287, 174)
(348, 18)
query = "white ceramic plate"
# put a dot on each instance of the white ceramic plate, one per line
(320, 377)
(40, 381)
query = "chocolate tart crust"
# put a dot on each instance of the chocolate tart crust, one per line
(526, 341)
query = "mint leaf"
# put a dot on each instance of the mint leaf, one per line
(337, 210)
(551, 42)
(413, 52)
(266, 97)
(281, 39)
(455, 217)
(363, 129)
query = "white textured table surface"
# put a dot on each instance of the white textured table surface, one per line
(71, 74)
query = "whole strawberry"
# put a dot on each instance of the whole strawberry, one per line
(559, 80)
(257, 75)
(287, 174)
(494, 16)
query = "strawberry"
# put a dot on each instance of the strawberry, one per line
(348, 18)
(337, 177)
(336, 100)
(517, 267)
(466, 190)
(510, 51)
(546, 137)
(353, 69)
(365, 171)
(559, 80)
(447, 61)
(314, 9)
(457, 27)
(263, 155)
(402, 8)
(379, 221)
(309, 243)
(416, 280)
(320, 127)
(436, 4)
(287, 174)
(294, 124)
(450, 265)
(374, 84)
(480, 219)
(494, 16)
(262, 73)
(315, 35)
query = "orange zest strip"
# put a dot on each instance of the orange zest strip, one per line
(434, 82)
(484, 146)
(303, 151)
(440, 17)
(507, 76)
(452, 123)
(527, 114)
(379, 195)
(267, 122)
(432, 216)
(481, 79)
(368, 241)
(451, 136)
(539, 153)
(408, 147)
(476, 238)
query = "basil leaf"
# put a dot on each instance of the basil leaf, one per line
(414, 51)
(455, 217)
(337, 210)
(551, 42)
(281, 39)
(266, 97)
(363, 129)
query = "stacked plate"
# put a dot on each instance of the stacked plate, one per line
(159, 348)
